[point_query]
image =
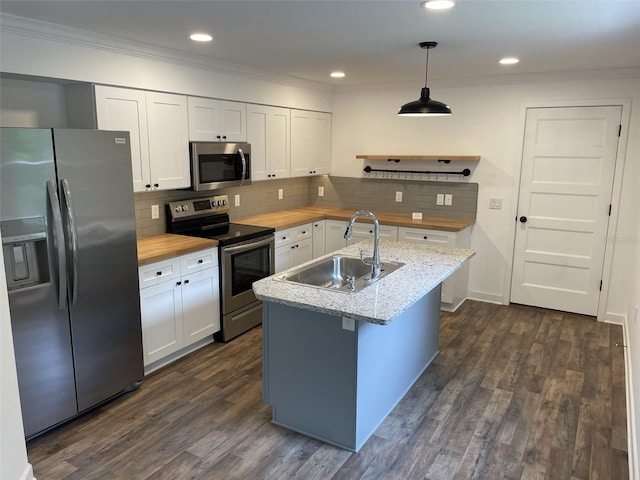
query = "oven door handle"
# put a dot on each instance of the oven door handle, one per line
(244, 166)
(248, 246)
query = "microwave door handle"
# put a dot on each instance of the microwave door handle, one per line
(244, 166)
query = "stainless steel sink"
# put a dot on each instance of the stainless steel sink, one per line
(338, 273)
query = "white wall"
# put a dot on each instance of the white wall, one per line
(27, 49)
(487, 121)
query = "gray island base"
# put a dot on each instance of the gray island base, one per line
(336, 364)
(336, 379)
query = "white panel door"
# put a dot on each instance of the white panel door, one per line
(568, 163)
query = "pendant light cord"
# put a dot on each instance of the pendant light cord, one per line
(426, 70)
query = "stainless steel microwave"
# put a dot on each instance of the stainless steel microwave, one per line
(217, 165)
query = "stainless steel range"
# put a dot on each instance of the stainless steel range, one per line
(246, 254)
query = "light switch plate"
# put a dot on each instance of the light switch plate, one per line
(280, 194)
(237, 200)
(440, 199)
(416, 215)
(448, 199)
(398, 196)
(495, 203)
(155, 212)
(321, 191)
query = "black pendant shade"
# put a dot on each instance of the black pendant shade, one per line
(425, 106)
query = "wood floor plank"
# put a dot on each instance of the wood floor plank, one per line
(515, 393)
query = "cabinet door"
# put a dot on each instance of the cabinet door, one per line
(125, 109)
(168, 141)
(282, 258)
(302, 143)
(321, 163)
(303, 252)
(200, 305)
(278, 142)
(162, 328)
(319, 240)
(257, 136)
(233, 121)
(204, 119)
(335, 235)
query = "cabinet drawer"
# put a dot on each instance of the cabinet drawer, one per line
(429, 237)
(302, 232)
(158, 272)
(197, 261)
(284, 237)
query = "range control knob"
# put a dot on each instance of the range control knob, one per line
(185, 208)
(178, 208)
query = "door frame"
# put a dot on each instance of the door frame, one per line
(616, 194)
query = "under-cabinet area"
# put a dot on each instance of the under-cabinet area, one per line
(180, 306)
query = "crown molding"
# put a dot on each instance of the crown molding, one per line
(72, 36)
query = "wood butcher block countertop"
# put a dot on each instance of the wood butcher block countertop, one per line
(299, 216)
(168, 245)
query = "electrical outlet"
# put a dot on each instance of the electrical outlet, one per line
(448, 199)
(155, 212)
(321, 191)
(398, 196)
(440, 199)
(495, 203)
(280, 193)
(236, 200)
(348, 324)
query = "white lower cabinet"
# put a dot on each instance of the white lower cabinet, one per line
(293, 246)
(364, 231)
(180, 306)
(454, 289)
(319, 238)
(334, 235)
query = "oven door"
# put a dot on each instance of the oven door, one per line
(242, 264)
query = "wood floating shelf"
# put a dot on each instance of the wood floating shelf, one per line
(435, 158)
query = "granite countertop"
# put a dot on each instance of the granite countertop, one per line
(167, 245)
(298, 216)
(426, 267)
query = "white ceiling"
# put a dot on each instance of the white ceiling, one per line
(374, 42)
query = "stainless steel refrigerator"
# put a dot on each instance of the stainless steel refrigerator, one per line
(67, 217)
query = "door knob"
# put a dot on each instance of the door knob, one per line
(523, 219)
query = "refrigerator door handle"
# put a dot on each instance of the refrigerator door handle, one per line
(73, 233)
(58, 241)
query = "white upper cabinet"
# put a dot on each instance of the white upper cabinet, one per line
(158, 127)
(310, 143)
(268, 132)
(212, 120)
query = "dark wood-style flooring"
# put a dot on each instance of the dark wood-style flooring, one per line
(515, 393)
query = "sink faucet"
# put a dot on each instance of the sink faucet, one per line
(375, 261)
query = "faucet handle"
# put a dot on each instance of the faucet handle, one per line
(361, 251)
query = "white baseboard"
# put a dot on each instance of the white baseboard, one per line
(615, 318)
(28, 473)
(485, 297)
(632, 450)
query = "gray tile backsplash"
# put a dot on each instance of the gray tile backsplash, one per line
(340, 192)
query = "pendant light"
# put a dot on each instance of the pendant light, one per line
(425, 107)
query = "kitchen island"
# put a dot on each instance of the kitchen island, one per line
(335, 364)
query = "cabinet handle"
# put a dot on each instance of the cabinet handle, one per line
(158, 273)
(523, 219)
(274, 175)
(156, 185)
(224, 137)
(148, 185)
(304, 232)
(200, 261)
(268, 176)
(186, 281)
(370, 231)
(425, 237)
(178, 283)
(292, 247)
(218, 137)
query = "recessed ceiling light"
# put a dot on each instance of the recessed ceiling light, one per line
(438, 4)
(200, 37)
(508, 61)
(338, 75)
